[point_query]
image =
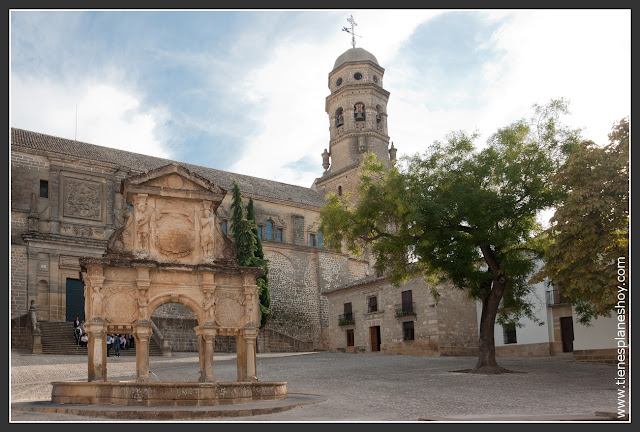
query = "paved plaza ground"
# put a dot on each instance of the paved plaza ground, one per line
(362, 387)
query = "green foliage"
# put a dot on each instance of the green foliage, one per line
(249, 247)
(590, 228)
(259, 261)
(459, 213)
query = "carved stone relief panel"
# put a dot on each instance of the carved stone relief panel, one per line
(229, 308)
(174, 229)
(120, 304)
(82, 199)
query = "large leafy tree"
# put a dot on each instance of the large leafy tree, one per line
(589, 231)
(245, 236)
(461, 214)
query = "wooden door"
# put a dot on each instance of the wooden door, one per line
(75, 299)
(375, 338)
(566, 330)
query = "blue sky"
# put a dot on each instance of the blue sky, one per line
(244, 91)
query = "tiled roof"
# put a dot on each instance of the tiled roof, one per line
(358, 282)
(253, 186)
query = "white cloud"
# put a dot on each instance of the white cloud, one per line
(289, 93)
(106, 114)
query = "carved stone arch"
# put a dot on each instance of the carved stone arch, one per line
(339, 117)
(193, 305)
(359, 111)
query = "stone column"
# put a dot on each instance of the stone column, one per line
(96, 351)
(250, 335)
(241, 357)
(142, 334)
(201, 348)
(209, 337)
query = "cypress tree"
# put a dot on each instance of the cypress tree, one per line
(263, 281)
(242, 229)
(245, 236)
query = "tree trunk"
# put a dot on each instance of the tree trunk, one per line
(487, 349)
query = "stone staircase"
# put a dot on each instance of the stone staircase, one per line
(57, 338)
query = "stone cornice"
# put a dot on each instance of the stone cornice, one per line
(32, 236)
(356, 133)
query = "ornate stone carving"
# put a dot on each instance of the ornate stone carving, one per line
(229, 309)
(142, 224)
(174, 181)
(120, 241)
(82, 199)
(175, 234)
(206, 233)
(120, 307)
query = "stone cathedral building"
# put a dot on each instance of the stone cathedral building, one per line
(66, 202)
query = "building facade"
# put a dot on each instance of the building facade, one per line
(371, 315)
(66, 202)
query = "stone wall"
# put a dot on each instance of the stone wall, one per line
(18, 280)
(20, 333)
(446, 327)
(179, 331)
(457, 322)
(294, 295)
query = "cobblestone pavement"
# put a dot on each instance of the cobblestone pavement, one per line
(362, 387)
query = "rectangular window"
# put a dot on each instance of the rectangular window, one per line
(279, 234)
(347, 308)
(260, 232)
(407, 301)
(372, 303)
(44, 189)
(312, 240)
(320, 240)
(350, 338)
(509, 333)
(407, 330)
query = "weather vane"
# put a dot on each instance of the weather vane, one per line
(351, 32)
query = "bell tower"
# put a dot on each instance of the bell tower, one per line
(357, 110)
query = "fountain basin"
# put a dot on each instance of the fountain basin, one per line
(168, 393)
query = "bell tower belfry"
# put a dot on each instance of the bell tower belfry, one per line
(357, 110)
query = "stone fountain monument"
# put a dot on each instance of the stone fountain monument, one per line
(170, 249)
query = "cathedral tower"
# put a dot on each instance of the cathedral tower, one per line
(357, 109)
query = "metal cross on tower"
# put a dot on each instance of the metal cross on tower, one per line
(351, 32)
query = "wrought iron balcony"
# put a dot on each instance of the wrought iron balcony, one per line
(555, 298)
(346, 319)
(405, 310)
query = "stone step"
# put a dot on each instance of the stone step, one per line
(57, 338)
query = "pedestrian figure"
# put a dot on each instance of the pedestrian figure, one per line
(116, 343)
(108, 344)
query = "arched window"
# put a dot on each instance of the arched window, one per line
(358, 111)
(339, 117)
(378, 113)
(339, 190)
(268, 230)
(224, 226)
